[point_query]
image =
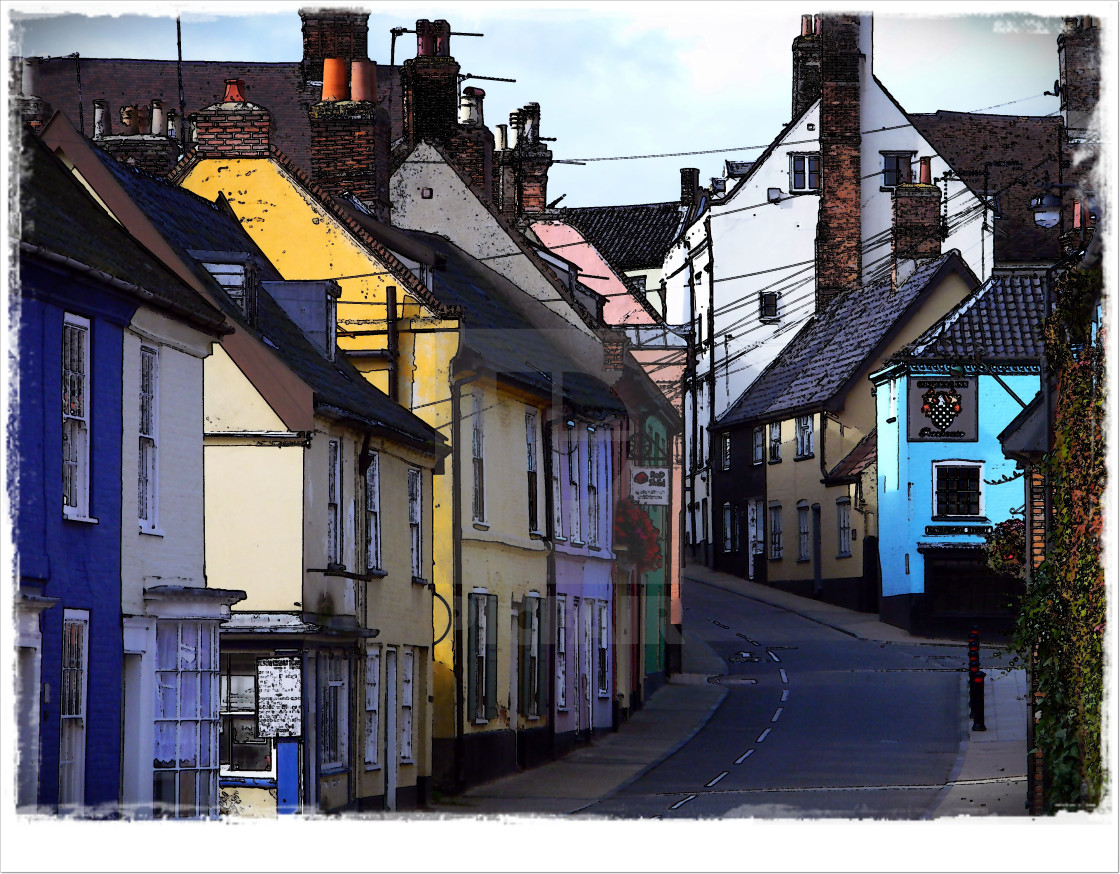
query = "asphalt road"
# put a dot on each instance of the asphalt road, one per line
(816, 723)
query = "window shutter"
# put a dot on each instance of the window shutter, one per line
(524, 624)
(491, 656)
(544, 660)
(472, 654)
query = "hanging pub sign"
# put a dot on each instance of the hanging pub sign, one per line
(650, 485)
(279, 697)
(941, 408)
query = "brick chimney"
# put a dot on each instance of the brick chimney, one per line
(806, 65)
(350, 136)
(1079, 69)
(332, 33)
(916, 232)
(234, 128)
(145, 141)
(33, 110)
(430, 85)
(839, 256)
(690, 186)
(521, 179)
(471, 147)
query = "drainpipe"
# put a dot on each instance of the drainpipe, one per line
(711, 374)
(550, 579)
(394, 364)
(457, 648)
(690, 388)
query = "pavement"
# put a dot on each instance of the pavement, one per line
(988, 778)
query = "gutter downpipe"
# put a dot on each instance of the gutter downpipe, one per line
(690, 390)
(711, 385)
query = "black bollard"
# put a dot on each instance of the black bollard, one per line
(976, 700)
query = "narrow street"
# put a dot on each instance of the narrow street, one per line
(816, 723)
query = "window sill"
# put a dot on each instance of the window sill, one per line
(536, 535)
(408, 761)
(804, 560)
(803, 457)
(560, 538)
(74, 517)
(332, 770)
(757, 463)
(604, 695)
(959, 519)
(579, 544)
(562, 708)
(419, 581)
(478, 721)
(377, 573)
(480, 526)
(770, 320)
(774, 461)
(843, 555)
(774, 558)
(594, 548)
(152, 532)
(372, 768)
(532, 719)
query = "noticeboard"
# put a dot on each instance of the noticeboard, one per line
(279, 697)
(650, 485)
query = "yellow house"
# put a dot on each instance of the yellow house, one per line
(422, 319)
(318, 501)
(795, 494)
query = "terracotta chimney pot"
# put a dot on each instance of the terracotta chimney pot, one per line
(129, 120)
(425, 39)
(234, 92)
(925, 176)
(334, 79)
(363, 81)
(806, 25)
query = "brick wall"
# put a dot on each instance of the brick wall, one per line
(152, 154)
(1079, 63)
(234, 133)
(839, 256)
(534, 180)
(350, 150)
(806, 72)
(332, 33)
(917, 221)
(429, 100)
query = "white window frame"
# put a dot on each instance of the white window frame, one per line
(334, 710)
(843, 527)
(803, 553)
(775, 442)
(725, 440)
(557, 499)
(561, 652)
(728, 525)
(147, 462)
(76, 419)
(593, 514)
(758, 444)
(407, 701)
(575, 517)
(806, 171)
(372, 755)
(373, 512)
(179, 716)
(937, 467)
(892, 400)
(775, 530)
(416, 521)
(532, 473)
(334, 501)
(478, 463)
(228, 712)
(602, 665)
(804, 431)
(532, 706)
(896, 153)
(73, 710)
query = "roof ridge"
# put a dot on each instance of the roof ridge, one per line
(954, 315)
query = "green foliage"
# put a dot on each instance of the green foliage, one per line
(1061, 625)
(1005, 548)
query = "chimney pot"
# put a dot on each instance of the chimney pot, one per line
(234, 92)
(503, 136)
(806, 25)
(925, 175)
(425, 39)
(363, 81)
(159, 119)
(144, 119)
(470, 107)
(129, 120)
(29, 81)
(334, 79)
(102, 120)
(172, 124)
(690, 181)
(441, 34)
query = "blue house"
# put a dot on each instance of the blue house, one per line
(83, 279)
(941, 403)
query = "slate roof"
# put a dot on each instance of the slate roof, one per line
(855, 462)
(189, 222)
(504, 339)
(278, 87)
(1000, 321)
(629, 237)
(828, 352)
(59, 215)
(1017, 156)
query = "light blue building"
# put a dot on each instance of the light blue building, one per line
(943, 480)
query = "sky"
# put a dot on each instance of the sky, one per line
(615, 79)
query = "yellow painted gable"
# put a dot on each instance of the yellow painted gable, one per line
(231, 402)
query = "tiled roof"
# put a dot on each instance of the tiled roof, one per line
(504, 339)
(1014, 158)
(278, 87)
(629, 237)
(833, 345)
(855, 462)
(192, 223)
(57, 214)
(1000, 321)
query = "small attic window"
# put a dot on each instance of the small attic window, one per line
(238, 279)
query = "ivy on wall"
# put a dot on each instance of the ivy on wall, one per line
(1061, 625)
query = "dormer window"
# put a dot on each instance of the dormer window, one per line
(236, 273)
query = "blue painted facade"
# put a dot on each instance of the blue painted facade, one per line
(76, 562)
(909, 531)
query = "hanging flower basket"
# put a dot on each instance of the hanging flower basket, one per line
(635, 535)
(1005, 547)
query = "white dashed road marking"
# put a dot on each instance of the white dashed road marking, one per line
(785, 694)
(777, 713)
(717, 779)
(771, 654)
(682, 801)
(762, 736)
(744, 757)
(785, 679)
